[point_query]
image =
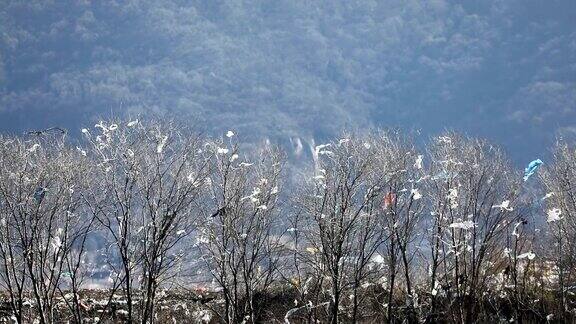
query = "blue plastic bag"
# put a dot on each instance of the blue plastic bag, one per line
(531, 169)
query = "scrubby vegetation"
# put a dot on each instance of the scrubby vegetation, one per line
(149, 222)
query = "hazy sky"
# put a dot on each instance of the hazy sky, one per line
(282, 69)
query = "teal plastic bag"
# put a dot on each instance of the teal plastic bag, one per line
(531, 169)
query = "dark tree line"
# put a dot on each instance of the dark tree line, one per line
(374, 229)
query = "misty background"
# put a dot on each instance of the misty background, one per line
(296, 71)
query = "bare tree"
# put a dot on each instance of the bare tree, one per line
(42, 222)
(150, 178)
(376, 231)
(341, 205)
(559, 179)
(302, 272)
(518, 261)
(472, 196)
(239, 239)
(401, 173)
